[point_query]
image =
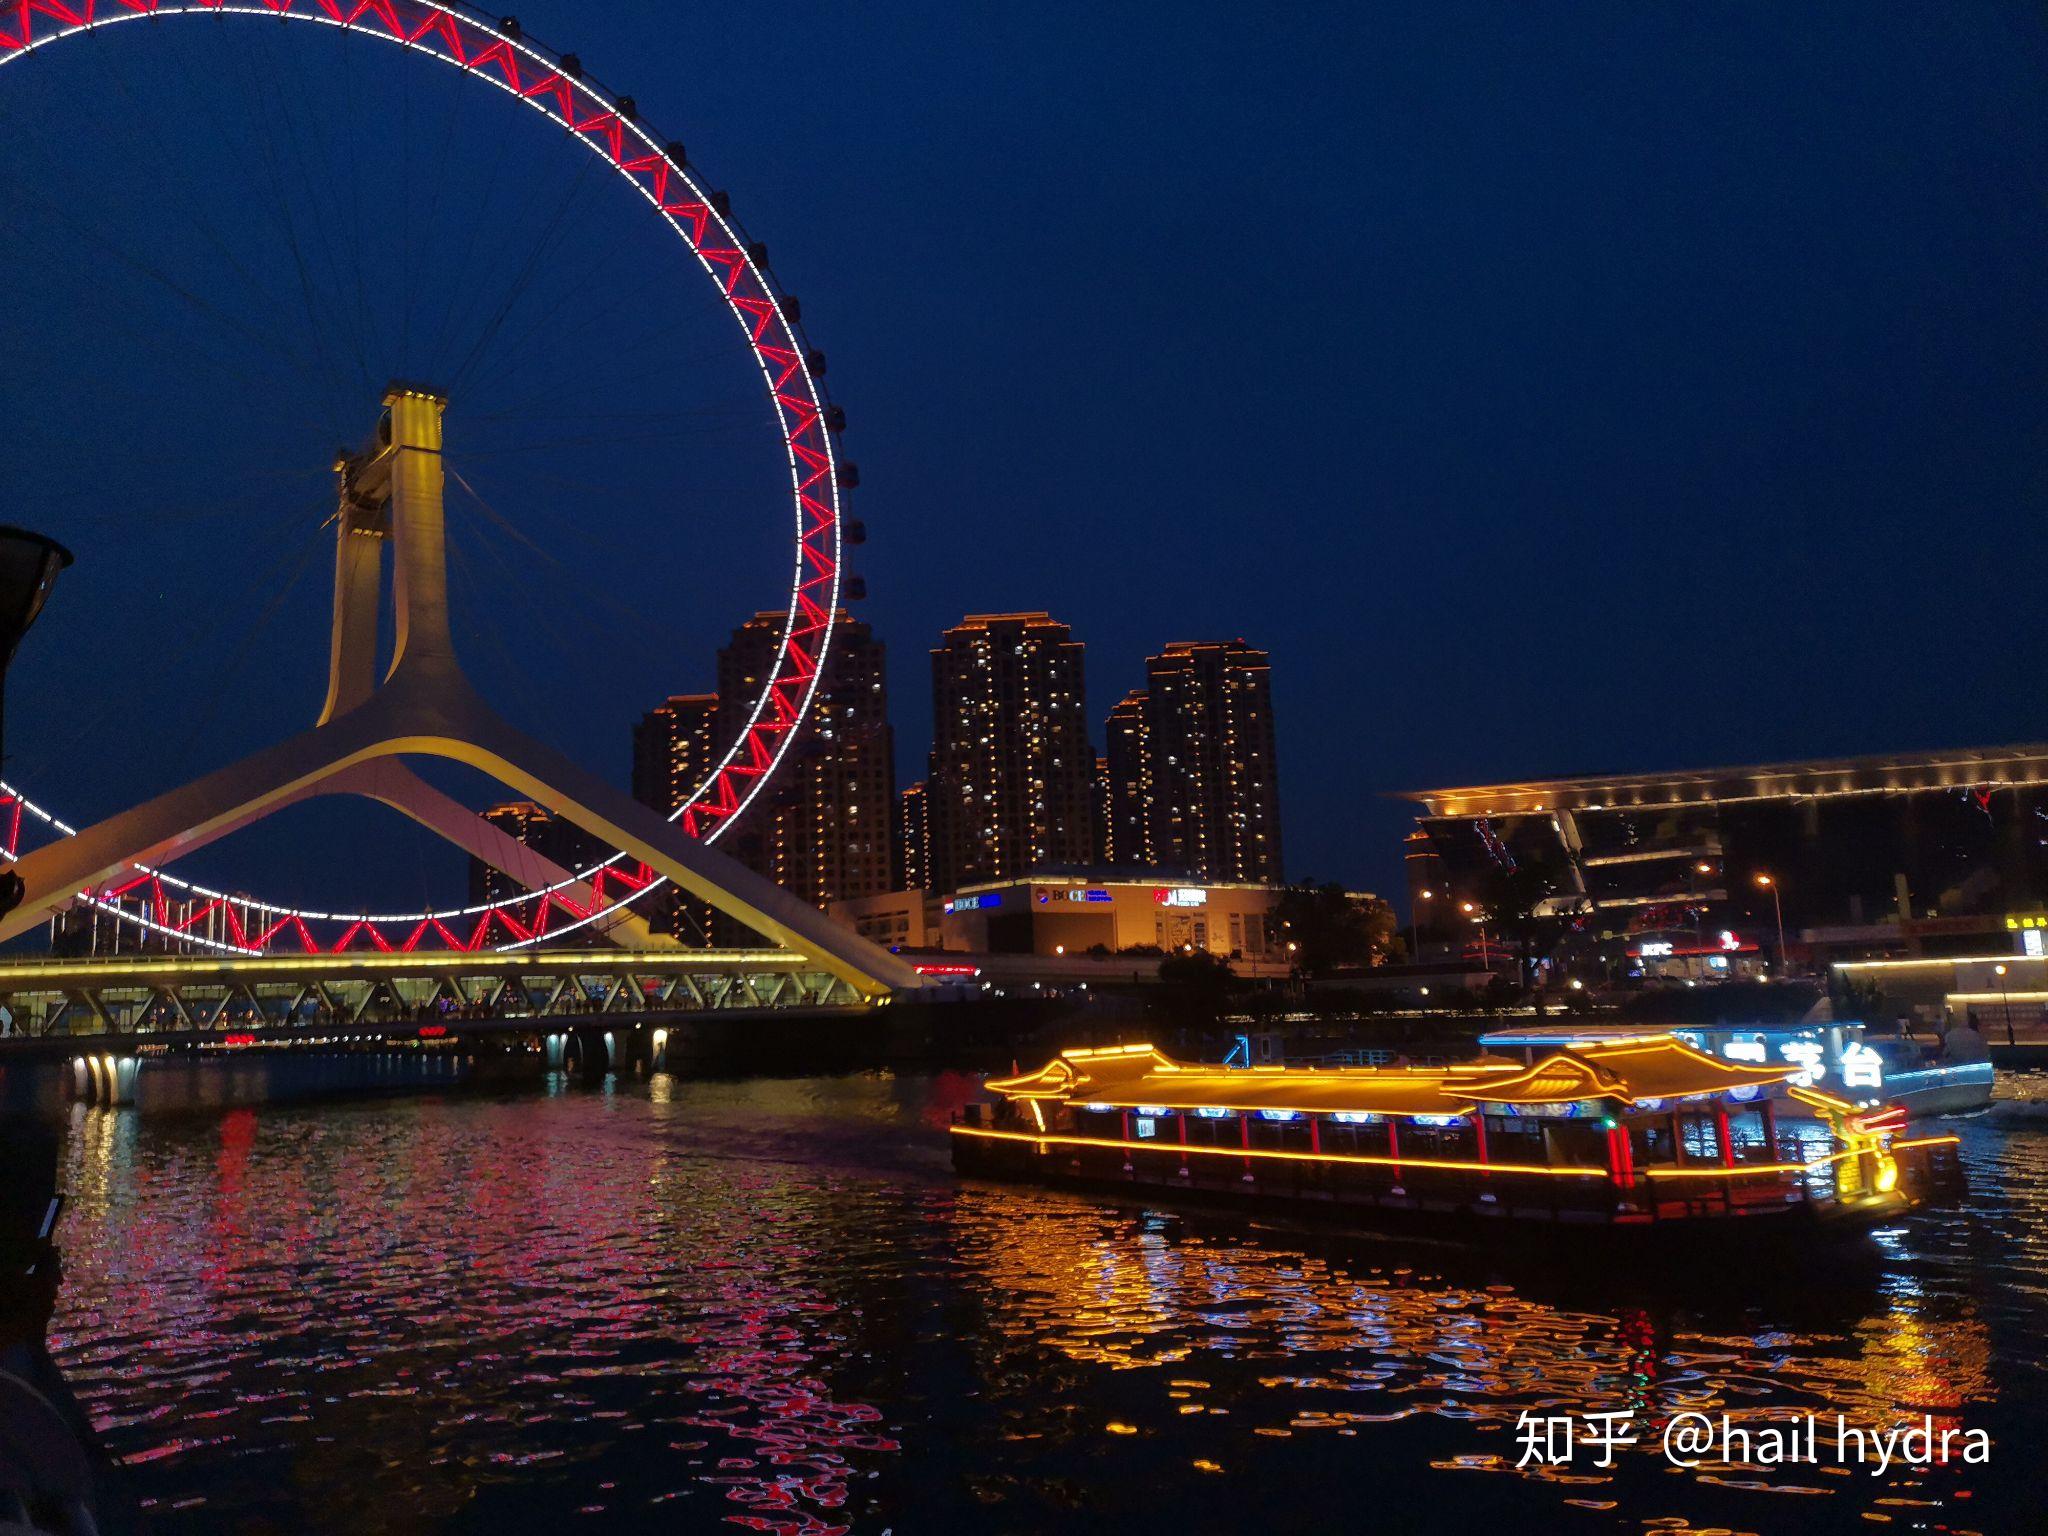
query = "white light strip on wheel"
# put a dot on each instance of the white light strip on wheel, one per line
(629, 127)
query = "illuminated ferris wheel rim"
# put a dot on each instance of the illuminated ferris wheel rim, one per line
(498, 53)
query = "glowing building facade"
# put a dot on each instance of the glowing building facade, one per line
(1126, 786)
(536, 827)
(1208, 776)
(1012, 773)
(913, 839)
(824, 827)
(673, 747)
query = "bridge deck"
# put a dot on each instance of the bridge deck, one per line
(156, 994)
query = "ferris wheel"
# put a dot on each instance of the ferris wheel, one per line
(496, 52)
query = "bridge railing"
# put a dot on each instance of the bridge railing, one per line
(159, 995)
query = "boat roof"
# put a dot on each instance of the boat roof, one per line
(1632, 1070)
(1535, 1036)
(1523, 1036)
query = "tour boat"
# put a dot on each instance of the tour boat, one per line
(1950, 1077)
(1639, 1133)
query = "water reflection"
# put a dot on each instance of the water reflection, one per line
(769, 1304)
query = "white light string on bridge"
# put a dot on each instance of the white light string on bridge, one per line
(497, 52)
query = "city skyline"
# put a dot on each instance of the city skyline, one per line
(518, 1013)
(1206, 738)
(1772, 315)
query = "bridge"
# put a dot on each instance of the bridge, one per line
(123, 1001)
(391, 501)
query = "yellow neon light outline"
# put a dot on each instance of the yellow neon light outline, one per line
(1461, 1081)
(1275, 1153)
(1744, 1170)
(1937, 962)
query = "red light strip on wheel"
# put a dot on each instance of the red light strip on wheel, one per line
(472, 42)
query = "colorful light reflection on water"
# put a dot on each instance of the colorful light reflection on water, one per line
(769, 1305)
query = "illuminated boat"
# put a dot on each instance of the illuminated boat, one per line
(1639, 1132)
(1954, 1077)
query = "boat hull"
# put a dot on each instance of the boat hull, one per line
(1493, 1215)
(1951, 1090)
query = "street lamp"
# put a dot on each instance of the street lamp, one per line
(29, 564)
(2004, 1002)
(1415, 925)
(1765, 882)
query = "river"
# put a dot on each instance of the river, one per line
(768, 1305)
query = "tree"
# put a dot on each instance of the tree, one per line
(1196, 985)
(1325, 929)
(1509, 900)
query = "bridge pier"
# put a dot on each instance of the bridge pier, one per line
(104, 1079)
(591, 1051)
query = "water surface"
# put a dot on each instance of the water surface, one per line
(770, 1306)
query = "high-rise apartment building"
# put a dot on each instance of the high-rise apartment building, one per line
(674, 748)
(913, 839)
(1126, 788)
(1011, 770)
(1211, 781)
(562, 842)
(824, 828)
(1098, 812)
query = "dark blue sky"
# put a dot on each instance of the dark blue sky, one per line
(1549, 389)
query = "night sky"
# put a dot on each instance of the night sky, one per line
(1549, 389)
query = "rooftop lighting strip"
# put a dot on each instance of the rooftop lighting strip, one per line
(1460, 811)
(83, 19)
(1936, 962)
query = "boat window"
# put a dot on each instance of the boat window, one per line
(1746, 1135)
(1650, 1141)
(1455, 1141)
(1514, 1139)
(1354, 1138)
(1575, 1144)
(1280, 1135)
(1702, 1138)
(1803, 1140)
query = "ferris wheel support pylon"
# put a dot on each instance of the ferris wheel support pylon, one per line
(424, 706)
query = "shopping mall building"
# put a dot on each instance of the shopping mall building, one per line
(1072, 914)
